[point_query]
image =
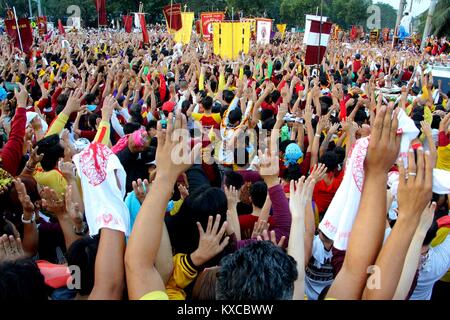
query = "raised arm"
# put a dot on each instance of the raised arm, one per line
(369, 226)
(144, 242)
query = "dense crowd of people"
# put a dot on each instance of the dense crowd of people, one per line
(161, 171)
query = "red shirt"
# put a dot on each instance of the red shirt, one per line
(247, 223)
(323, 193)
(356, 65)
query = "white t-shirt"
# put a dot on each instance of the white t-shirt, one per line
(434, 268)
(101, 174)
(319, 272)
(406, 23)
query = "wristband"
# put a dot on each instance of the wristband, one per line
(33, 219)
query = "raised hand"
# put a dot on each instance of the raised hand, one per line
(24, 198)
(384, 145)
(211, 241)
(259, 228)
(51, 202)
(272, 238)
(73, 208)
(10, 248)
(319, 172)
(301, 194)
(21, 96)
(232, 196)
(140, 189)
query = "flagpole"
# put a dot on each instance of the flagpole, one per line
(170, 17)
(18, 30)
(232, 33)
(320, 34)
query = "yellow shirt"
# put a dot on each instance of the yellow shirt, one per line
(155, 295)
(52, 179)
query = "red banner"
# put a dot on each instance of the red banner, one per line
(145, 37)
(207, 18)
(172, 13)
(100, 6)
(26, 34)
(128, 23)
(42, 25)
(61, 27)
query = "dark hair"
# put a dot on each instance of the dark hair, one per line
(203, 202)
(266, 114)
(90, 97)
(258, 192)
(330, 160)
(259, 271)
(82, 253)
(22, 280)
(52, 149)
(269, 124)
(235, 115)
(131, 127)
(228, 96)
(234, 179)
(292, 172)
(92, 120)
(136, 113)
(152, 124)
(207, 102)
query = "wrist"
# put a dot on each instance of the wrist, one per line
(197, 259)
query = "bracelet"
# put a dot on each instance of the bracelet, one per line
(317, 135)
(30, 168)
(33, 219)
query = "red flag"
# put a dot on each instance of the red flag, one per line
(42, 25)
(26, 34)
(145, 37)
(353, 33)
(207, 18)
(315, 50)
(128, 23)
(100, 6)
(61, 27)
(173, 16)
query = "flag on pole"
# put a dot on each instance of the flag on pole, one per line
(231, 38)
(172, 13)
(207, 18)
(128, 23)
(25, 33)
(100, 6)
(42, 25)
(282, 29)
(315, 50)
(61, 27)
(184, 34)
(263, 30)
(145, 37)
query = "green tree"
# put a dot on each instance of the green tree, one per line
(440, 24)
(349, 12)
(388, 15)
(293, 11)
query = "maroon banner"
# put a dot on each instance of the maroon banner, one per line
(173, 16)
(207, 18)
(128, 23)
(317, 42)
(26, 34)
(100, 6)
(145, 37)
(42, 25)
(61, 27)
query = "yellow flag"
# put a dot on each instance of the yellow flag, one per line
(184, 34)
(231, 38)
(281, 28)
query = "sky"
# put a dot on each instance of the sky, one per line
(418, 6)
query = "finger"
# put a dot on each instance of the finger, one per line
(292, 188)
(210, 224)
(170, 128)
(420, 178)
(378, 124)
(401, 170)
(6, 244)
(428, 176)
(160, 134)
(13, 244)
(224, 244)
(411, 166)
(216, 224)
(273, 237)
(200, 229)
(222, 230)
(282, 241)
(386, 131)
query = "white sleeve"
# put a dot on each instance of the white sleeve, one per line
(440, 259)
(116, 125)
(124, 112)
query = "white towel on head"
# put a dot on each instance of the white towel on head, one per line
(338, 220)
(31, 115)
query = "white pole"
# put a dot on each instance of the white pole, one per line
(427, 30)
(17, 28)
(30, 8)
(39, 8)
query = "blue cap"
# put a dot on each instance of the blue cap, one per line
(292, 154)
(91, 107)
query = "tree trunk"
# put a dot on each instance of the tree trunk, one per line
(427, 30)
